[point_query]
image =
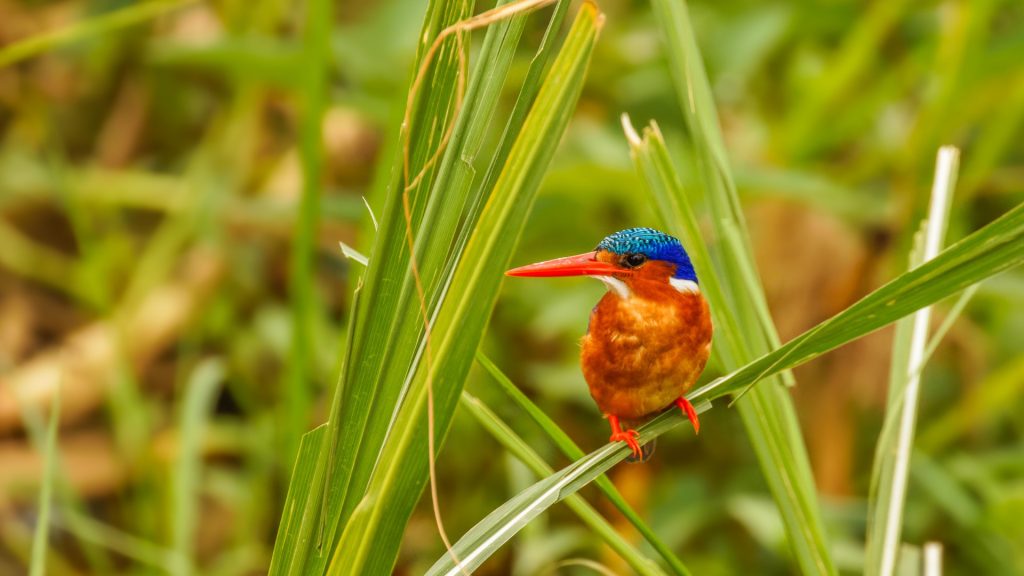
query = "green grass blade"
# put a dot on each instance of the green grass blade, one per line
(308, 527)
(891, 469)
(200, 394)
(991, 250)
(527, 93)
(996, 247)
(41, 537)
(947, 323)
(89, 28)
(570, 449)
(503, 523)
(371, 536)
(441, 225)
(521, 450)
(301, 486)
(130, 546)
(768, 413)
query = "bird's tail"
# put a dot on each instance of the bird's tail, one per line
(646, 451)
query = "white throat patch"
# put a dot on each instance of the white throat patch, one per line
(684, 286)
(615, 285)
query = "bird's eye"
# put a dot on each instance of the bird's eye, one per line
(633, 260)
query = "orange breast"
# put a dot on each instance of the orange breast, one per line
(642, 352)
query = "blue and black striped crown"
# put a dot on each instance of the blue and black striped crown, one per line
(653, 244)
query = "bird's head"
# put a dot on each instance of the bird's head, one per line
(623, 259)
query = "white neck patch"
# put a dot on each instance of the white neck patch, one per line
(615, 285)
(684, 286)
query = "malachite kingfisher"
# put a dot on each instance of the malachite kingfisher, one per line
(649, 337)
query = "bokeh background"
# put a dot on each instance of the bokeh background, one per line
(150, 179)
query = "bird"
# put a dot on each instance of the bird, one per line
(649, 337)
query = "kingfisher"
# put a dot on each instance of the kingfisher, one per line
(649, 336)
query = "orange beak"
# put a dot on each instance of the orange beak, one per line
(579, 265)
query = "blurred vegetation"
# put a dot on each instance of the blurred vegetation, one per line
(172, 201)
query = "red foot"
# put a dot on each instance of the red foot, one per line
(627, 436)
(687, 409)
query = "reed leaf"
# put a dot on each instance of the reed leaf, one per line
(374, 447)
(891, 470)
(372, 534)
(501, 432)
(364, 401)
(767, 413)
(203, 385)
(41, 537)
(570, 449)
(744, 328)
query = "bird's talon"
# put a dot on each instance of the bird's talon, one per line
(688, 409)
(630, 438)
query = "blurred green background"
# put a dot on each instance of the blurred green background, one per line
(150, 177)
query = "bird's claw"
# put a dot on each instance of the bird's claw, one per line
(688, 409)
(630, 438)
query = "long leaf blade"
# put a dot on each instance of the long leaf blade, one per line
(891, 469)
(768, 413)
(518, 447)
(370, 539)
(570, 449)
(504, 522)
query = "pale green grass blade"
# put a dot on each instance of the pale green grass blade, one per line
(521, 450)
(947, 323)
(891, 469)
(88, 28)
(500, 525)
(985, 253)
(570, 449)
(371, 536)
(114, 539)
(991, 250)
(62, 496)
(301, 534)
(287, 543)
(353, 254)
(200, 395)
(768, 413)
(40, 539)
(752, 285)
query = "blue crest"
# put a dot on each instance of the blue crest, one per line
(654, 245)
